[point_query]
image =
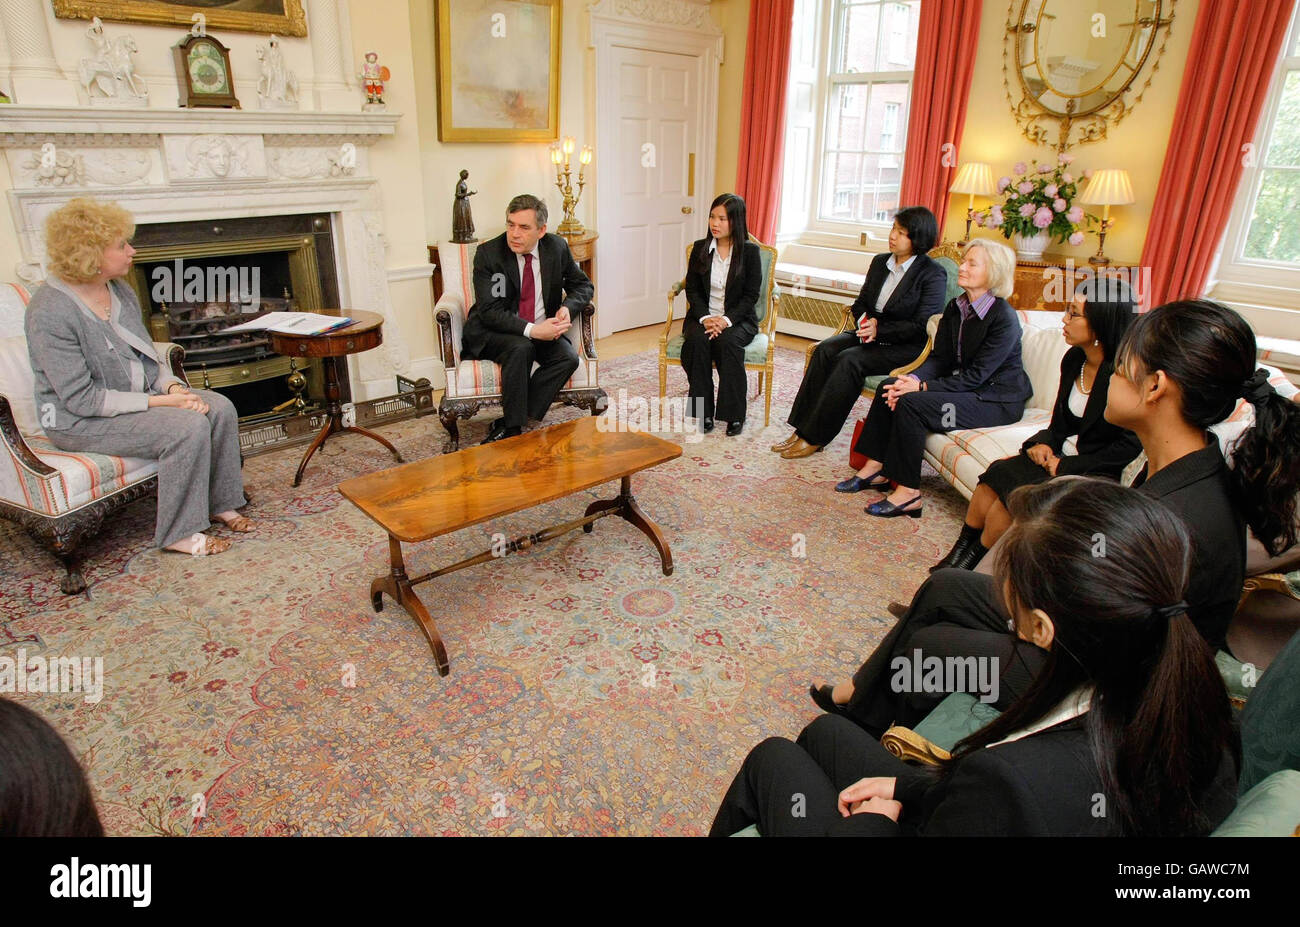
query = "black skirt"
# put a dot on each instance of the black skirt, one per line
(1006, 475)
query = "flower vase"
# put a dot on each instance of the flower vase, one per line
(1030, 248)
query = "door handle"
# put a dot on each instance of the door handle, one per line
(687, 210)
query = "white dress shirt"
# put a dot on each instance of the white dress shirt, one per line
(896, 274)
(718, 280)
(539, 306)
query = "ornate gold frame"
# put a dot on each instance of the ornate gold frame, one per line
(1090, 125)
(449, 132)
(294, 22)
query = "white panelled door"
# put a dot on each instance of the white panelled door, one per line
(650, 209)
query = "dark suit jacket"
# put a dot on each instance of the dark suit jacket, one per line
(1042, 785)
(990, 367)
(742, 290)
(918, 296)
(563, 284)
(1198, 489)
(1104, 449)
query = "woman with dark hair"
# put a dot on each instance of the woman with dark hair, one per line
(1180, 368)
(1126, 731)
(43, 791)
(723, 278)
(903, 288)
(1094, 323)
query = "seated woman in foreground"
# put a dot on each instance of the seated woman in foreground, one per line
(1180, 369)
(1093, 325)
(97, 372)
(973, 378)
(1129, 714)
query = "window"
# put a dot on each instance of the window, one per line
(850, 87)
(1259, 263)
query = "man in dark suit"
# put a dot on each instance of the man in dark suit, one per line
(527, 287)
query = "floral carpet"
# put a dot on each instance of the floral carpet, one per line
(256, 692)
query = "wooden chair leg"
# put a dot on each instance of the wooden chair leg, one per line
(767, 400)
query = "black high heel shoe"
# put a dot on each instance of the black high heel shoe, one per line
(886, 509)
(822, 697)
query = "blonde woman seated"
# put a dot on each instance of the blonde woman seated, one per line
(110, 393)
(973, 378)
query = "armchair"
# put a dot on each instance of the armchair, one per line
(476, 384)
(760, 354)
(59, 497)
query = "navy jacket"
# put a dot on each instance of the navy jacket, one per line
(990, 366)
(742, 291)
(918, 296)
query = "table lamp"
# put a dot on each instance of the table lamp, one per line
(973, 179)
(1107, 188)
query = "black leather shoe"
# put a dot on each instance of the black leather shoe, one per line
(886, 509)
(961, 548)
(822, 697)
(707, 426)
(898, 609)
(499, 431)
(735, 428)
(857, 484)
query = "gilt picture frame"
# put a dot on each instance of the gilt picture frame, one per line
(498, 70)
(281, 17)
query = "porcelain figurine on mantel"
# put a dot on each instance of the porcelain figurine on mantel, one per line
(277, 86)
(108, 76)
(373, 74)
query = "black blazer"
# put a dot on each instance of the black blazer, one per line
(918, 296)
(563, 284)
(742, 290)
(1104, 449)
(990, 368)
(1197, 487)
(1042, 785)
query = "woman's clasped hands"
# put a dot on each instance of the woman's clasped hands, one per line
(874, 795)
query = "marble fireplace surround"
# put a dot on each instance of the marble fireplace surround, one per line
(186, 165)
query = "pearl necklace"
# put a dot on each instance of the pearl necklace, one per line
(1086, 392)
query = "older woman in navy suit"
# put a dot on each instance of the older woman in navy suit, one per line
(107, 391)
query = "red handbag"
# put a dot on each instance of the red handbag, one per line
(857, 461)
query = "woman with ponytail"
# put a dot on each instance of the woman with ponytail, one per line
(1125, 731)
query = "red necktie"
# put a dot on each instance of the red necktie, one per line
(527, 294)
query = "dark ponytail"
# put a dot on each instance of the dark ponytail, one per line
(1209, 351)
(1109, 566)
(43, 791)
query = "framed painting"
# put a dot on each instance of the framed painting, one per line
(282, 17)
(498, 70)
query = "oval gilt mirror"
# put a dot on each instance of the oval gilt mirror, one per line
(1078, 64)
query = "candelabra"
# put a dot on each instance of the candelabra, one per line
(560, 155)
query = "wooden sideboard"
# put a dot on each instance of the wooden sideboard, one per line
(1047, 284)
(584, 253)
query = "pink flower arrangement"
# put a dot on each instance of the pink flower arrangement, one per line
(1038, 198)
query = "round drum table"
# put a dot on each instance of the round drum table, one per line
(365, 332)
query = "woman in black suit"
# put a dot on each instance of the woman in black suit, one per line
(903, 289)
(723, 279)
(973, 378)
(1094, 323)
(1126, 731)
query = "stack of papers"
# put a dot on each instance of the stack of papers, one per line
(293, 323)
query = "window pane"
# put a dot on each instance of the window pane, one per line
(1284, 145)
(858, 45)
(840, 186)
(898, 28)
(880, 182)
(1275, 227)
(846, 121)
(885, 126)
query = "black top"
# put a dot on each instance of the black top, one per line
(990, 365)
(1103, 449)
(496, 288)
(741, 295)
(1197, 487)
(1043, 785)
(919, 295)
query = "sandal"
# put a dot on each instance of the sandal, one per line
(240, 524)
(202, 546)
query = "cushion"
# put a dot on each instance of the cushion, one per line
(1270, 722)
(768, 259)
(1234, 675)
(755, 351)
(1041, 350)
(82, 478)
(750, 831)
(950, 268)
(17, 383)
(483, 378)
(957, 716)
(1270, 809)
(1283, 352)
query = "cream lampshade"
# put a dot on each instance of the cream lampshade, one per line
(974, 179)
(1107, 188)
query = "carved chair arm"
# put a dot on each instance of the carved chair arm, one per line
(443, 318)
(589, 330)
(174, 354)
(909, 746)
(15, 444)
(668, 326)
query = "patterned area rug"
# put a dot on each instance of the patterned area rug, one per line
(258, 693)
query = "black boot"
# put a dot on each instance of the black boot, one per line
(968, 539)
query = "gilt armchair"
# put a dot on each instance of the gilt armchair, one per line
(59, 497)
(476, 384)
(760, 353)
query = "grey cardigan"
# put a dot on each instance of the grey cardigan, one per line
(86, 368)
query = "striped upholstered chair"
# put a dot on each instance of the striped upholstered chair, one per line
(60, 497)
(476, 384)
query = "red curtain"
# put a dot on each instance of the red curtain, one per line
(762, 114)
(948, 35)
(1229, 67)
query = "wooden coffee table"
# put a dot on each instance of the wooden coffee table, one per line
(428, 498)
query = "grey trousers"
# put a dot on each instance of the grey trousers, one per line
(198, 459)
